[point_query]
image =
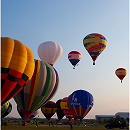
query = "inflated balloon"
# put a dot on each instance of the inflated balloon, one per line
(65, 108)
(17, 67)
(121, 73)
(81, 103)
(71, 109)
(32, 116)
(59, 112)
(49, 109)
(6, 109)
(74, 57)
(40, 89)
(94, 43)
(50, 52)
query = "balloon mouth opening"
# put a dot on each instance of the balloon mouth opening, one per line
(26, 113)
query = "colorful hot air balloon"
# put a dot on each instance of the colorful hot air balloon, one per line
(6, 109)
(22, 115)
(65, 108)
(74, 57)
(121, 73)
(50, 52)
(49, 109)
(94, 43)
(59, 111)
(81, 103)
(17, 67)
(40, 89)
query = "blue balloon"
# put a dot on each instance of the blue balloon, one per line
(81, 103)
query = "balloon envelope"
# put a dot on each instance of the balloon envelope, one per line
(49, 109)
(40, 89)
(121, 73)
(81, 103)
(17, 67)
(50, 52)
(59, 111)
(94, 43)
(65, 108)
(74, 57)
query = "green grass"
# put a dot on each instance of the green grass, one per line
(32, 127)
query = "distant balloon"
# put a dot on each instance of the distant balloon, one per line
(81, 103)
(40, 89)
(32, 116)
(120, 73)
(59, 112)
(74, 57)
(17, 67)
(65, 108)
(94, 43)
(49, 109)
(6, 109)
(50, 52)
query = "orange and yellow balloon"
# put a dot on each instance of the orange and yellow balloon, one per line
(17, 67)
(121, 73)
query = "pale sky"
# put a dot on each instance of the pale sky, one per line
(67, 23)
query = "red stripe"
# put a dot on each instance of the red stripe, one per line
(74, 52)
(21, 82)
(27, 81)
(15, 73)
(4, 76)
(7, 88)
(32, 83)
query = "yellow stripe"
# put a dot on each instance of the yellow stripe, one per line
(75, 110)
(80, 110)
(85, 112)
(36, 84)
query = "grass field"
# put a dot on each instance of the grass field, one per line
(31, 127)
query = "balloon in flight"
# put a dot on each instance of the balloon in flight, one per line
(40, 89)
(74, 57)
(17, 67)
(49, 109)
(50, 52)
(81, 103)
(121, 73)
(94, 43)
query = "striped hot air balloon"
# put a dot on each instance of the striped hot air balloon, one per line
(81, 103)
(41, 88)
(17, 67)
(74, 57)
(94, 43)
(121, 73)
(49, 109)
(65, 108)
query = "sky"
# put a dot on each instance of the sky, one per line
(67, 23)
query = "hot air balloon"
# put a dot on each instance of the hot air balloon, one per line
(50, 52)
(81, 103)
(6, 109)
(65, 108)
(120, 73)
(17, 67)
(94, 43)
(49, 109)
(59, 111)
(32, 116)
(74, 57)
(40, 89)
